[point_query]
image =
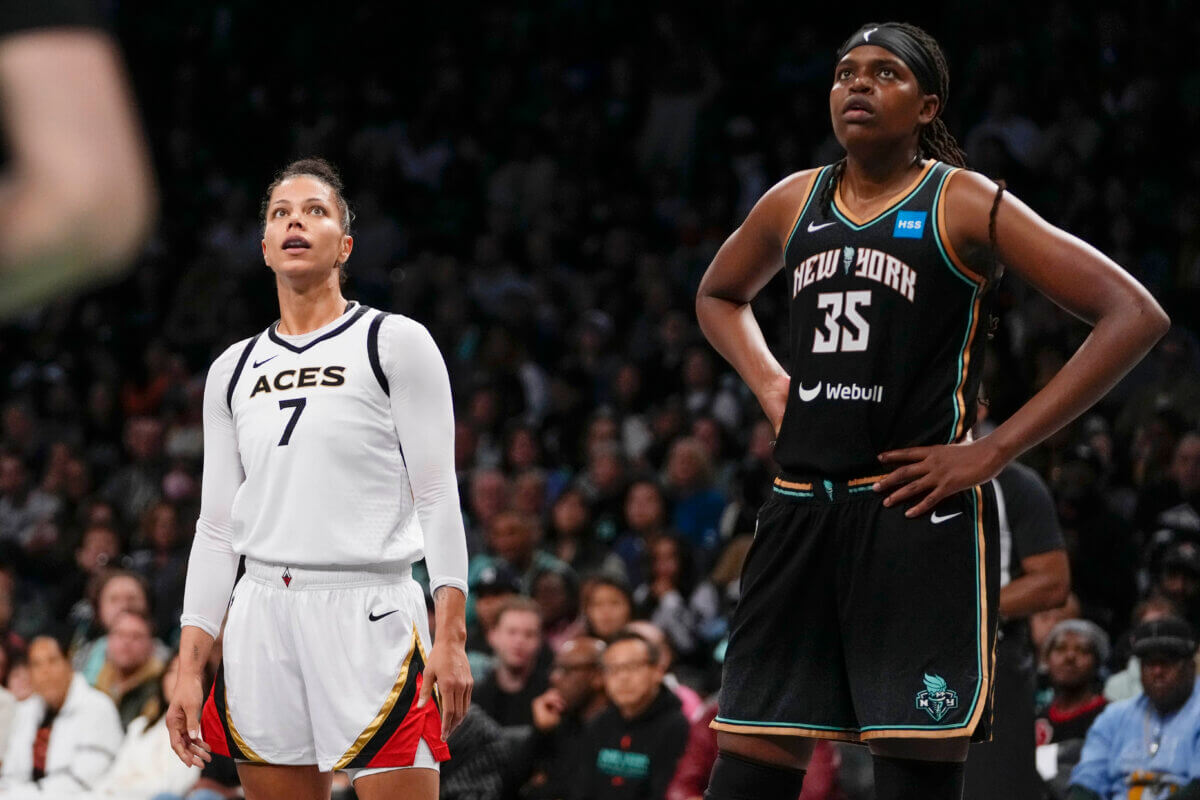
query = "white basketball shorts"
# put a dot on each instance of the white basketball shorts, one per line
(323, 666)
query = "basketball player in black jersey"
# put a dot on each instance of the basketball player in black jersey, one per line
(868, 608)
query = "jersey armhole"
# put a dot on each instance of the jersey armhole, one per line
(373, 352)
(237, 371)
(809, 192)
(942, 236)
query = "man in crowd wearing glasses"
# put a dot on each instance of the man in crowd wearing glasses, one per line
(1148, 747)
(630, 750)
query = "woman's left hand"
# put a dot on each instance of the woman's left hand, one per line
(450, 671)
(935, 473)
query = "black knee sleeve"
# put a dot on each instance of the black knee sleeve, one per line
(910, 779)
(736, 778)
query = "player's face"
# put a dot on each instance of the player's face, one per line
(876, 100)
(303, 237)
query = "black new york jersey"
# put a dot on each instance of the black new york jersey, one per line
(887, 332)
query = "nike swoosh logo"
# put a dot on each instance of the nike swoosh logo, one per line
(813, 228)
(808, 395)
(867, 38)
(936, 520)
(374, 618)
(258, 364)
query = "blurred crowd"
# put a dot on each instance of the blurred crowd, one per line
(543, 191)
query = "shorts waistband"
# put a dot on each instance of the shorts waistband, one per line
(803, 489)
(284, 576)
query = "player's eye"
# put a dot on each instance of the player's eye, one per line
(318, 210)
(887, 72)
(844, 74)
(279, 212)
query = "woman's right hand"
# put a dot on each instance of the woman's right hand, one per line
(183, 722)
(773, 398)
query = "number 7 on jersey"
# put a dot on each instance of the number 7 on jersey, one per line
(297, 404)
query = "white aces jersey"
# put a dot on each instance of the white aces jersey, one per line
(331, 448)
(325, 478)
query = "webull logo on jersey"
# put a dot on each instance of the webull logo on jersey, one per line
(936, 698)
(841, 391)
(874, 265)
(300, 379)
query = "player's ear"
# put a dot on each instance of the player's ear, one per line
(347, 246)
(264, 251)
(931, 104)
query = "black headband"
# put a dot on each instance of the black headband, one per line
(903, 46)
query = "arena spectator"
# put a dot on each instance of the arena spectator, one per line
(516, 677)
(99, 550)
(690, 703)
(162, 562)
(1179, 578)
(514, 538)
(1076, 651)
(138, 485)
(573, 536)
(8, 710)
(130, 674)
(65, 735)
(557, 595)
(645, 519)
(491, 588)
(603, 483)
(607, 606)
(560, 714)
(672, 598)
(1148, 745)
(144, 767)
(488, 495)
(697, 505)
(116, 591)
(22, 506)
(631, 749)
(1173, 504)
(1128, 682)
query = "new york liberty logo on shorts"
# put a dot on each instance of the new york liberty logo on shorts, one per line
(936, 698)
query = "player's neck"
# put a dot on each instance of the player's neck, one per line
(880, 173)
(302, 311)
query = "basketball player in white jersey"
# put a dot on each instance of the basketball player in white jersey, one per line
(328, 465)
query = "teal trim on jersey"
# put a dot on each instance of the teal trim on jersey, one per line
(801, 725)
(937, 233)
(815, 188)
(867, 488)
(790, 493)
(975, 503)
(891, 210)
(962, 352)
(937, 237)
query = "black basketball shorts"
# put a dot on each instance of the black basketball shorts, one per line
(857, 623)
